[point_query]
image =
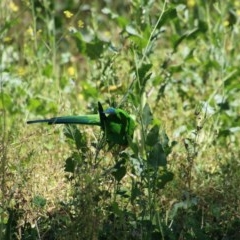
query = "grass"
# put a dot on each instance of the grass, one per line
(173, 66)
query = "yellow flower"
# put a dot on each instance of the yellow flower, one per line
(7, 39)
(237, 3)
(226, 23)
(30, 31)
(68, 14)
(39, 32)
(71, 71)
(21, 71)
(80, 97)
(13, 6)
(80, 24)
(238, 12)
(191, 3)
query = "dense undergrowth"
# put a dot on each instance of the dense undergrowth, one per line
(174, 66)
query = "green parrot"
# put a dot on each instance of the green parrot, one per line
(117, 125)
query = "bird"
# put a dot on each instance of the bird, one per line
(118, 126)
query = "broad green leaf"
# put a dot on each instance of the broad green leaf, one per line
(164, 141)
(157, 156)
(92, 49)
(147, 116)
(153, 136)
(73, 133)
(143, 70)
(119, 170)
(168, 15)
(70, 164)
(72, 161)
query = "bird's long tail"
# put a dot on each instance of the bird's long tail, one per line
(92, 119)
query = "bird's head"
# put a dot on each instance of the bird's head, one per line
(110, 110)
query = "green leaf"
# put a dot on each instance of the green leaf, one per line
(165, 177)
(33, 104)
(70, 164)
(6, 100)
(165, 142)
(115, 208)
(147, 115)
(157, 156)
(192, 34)
(122, 21)
(119, 170)
(72, 161)
(92, 49)
(230, 81)
(135, 191)
(73, 133)
(48, 70)
(229, 131)
(153, 136)
(81, 44)
(139, 43)
(143, 70)
(168, 15)
(144, 76)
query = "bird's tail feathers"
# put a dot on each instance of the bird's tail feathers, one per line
(84, 119)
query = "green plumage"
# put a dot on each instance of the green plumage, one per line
(117, 124)
(92, 119)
